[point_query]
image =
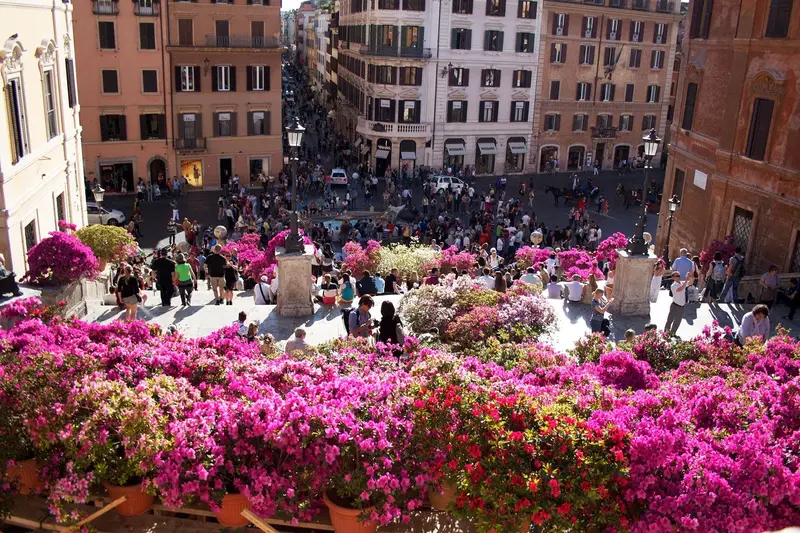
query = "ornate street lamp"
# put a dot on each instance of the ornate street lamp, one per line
(294, 132)
(674, 203)
(99, 193)
(637, 244)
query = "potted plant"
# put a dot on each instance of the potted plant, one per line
(60, 259)
(108, 243)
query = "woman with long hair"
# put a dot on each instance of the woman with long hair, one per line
(128, 289)
(390, 329)
(655, 283)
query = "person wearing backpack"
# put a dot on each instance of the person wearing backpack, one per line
(358, 322)
(715, 278)
(730, 292)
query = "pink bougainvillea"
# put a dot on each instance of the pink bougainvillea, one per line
(358, 259)
(607, 249)
(60, 259)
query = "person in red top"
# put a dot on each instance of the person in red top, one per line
(582, 204)
(433, 279)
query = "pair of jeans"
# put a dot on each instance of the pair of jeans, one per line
(674, 318)
(731, 284)
(185, 290)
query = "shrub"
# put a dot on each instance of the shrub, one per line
(60, 259)
(109, 243)
(408, 259)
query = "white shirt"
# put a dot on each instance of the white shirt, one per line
(494, 261)
(531, 279)
(575, 290)
(499, 245)
(261, 292)
(525, 219)
(242, 331)
(678, 297)
(487, 281)
(551, 266)
(554, 291)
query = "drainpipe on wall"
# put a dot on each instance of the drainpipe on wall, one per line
(167, 110)
(171, 91)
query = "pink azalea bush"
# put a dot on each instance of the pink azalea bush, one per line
(358, 259)
(60, 259)
(607, 249)
(572, 262)
(451, 258)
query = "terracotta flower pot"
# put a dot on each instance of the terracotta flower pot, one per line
(26, 473)
(138, 501)
(230, 513)
(525, 528)
(442, 497)
(345, 520)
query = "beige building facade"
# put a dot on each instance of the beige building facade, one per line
(41, 168)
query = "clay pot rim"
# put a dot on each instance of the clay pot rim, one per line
(106, 485)
(344, 510)
(235, 495)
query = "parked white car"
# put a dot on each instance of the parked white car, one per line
(338, 176)
(445, 183)
(101, 215)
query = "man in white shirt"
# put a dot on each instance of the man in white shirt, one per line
(574, 289)
(487, 280)
(531, 278)
(261, 292)
(525, 219)
(552, 264)
(678, 307)
(298, 343)
(554, 289)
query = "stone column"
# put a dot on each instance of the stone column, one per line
(632, 277)
(294, 283)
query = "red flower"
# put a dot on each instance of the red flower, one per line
(555, 488)
(532, 485)
(564, 508)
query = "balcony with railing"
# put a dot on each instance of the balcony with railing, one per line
(394, 51)
(191, 144)
(105, 7)
(663, 6)
(641, 5)
(620, 4)
(391, 129)
(146, 9)
(235, 42)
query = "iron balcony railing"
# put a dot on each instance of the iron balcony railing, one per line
(241, 41)
(105, 7)
(394, 51)
(663, 6)
(145, 10)
(642, 5)
(190, 144)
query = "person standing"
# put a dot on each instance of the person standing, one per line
(231, 276)
(683, 265)
(655, 283)
(678, 306)
(164, 268)
(172, 230)
(790, 298)
(185, 279)
(769, 286)
(730, 292)
(215, 265)
(128, 289)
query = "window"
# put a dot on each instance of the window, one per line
(384, 110)
(410, 75)
(147, 36)
(525, 42)
(607, 92)
(780, 15)
(18, 124)
(610, 57)
(409, 111)
(742, 228)
(113, 128)
(461, 39)
(701, 18)
(584, 91)
(670, 112)
(490, 77)
(259, 123)
(677, 183)
(487, 112)
(589, 28)
(108, 40)
(150, 81)
(462, 7)
(629, 88)
(493, 41)
(153, 126)
(223, 78)
(412, 37)
(187, 79)
(635, 60)
(222, 28)
(637, 31)
(414, 5)
(60, 209)
(495, 8)
(110, 81)
(688, 106)
(459, 77)
(185, 32)
(580, 122)
(660, 34)
(258, 78)
(72, 95)
(456, 111)
(672, 88)
(653, 94)
(657, 59)
(555, 89)
(560, 24)
(388, 4)
(526, 9)
(613, 32)
(759, 128)
(795, 265)
(385, 74)
(625, 122)
(648, 122)
(604, 121)
(257, 33)
(225, 124)
(50, 105)
(552, 122)
(586, 56)
(519, 111)
(522, 79)
(30, 235)
(558, 53)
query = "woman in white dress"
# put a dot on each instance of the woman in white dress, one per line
(655, 284)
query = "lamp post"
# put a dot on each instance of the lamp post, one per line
(98, 192)
(294, 243)
(637, 244)
(673, 202)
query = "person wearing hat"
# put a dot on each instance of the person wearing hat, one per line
(261, 291)
(164, 268)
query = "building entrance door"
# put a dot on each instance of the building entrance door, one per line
(600, 156)
(225, 171)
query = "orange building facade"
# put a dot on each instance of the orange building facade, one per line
(180, 88)
(735, 150)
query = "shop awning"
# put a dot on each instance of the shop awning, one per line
(381, 153)
(455, 149)
(408, 155)
(364, 149)
(487, 148)
(518, 147)
(358, 141)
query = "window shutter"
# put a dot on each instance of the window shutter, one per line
(103, 129)
(162, 126)
(197, 79)
(488, 7)
(417, 111)
(566, 25)
(588, 91)
(178, 87)
(143, 127)
(759, 128)
(688, 107)
(558, 123)
(697, 15)
(266, 78)
(511, 115)
(466, 77)
(630, 33)
(705, 24)
(502, 8)
(249, 78)
(519, 9)
(71, 94)
(658, 93)
(392, 110)
(394, 75)
(421, 35)
(417, 76)
(234, 132)
(584, 25)
(198, 124)
(563, 51)
(453, 34)
(215, 125)
(268, 122)
(525, 109)
(613, 91)
(578, 91)
(123, 128)
(518, 44)
(181, 127)
(629, 92)
(249, 123)
(644, 122)
(500, 41)
(575, 122)
(608, 29)
(780, 14)
(469, 39)
(450, 111)
(555, 87)
(486, 40)
(591, 55)
(233, 78)
(553, 53)
(214, 79)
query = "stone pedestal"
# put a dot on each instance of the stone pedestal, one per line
(294, 282)
(632, 277)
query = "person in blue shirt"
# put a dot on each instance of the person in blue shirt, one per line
(683, 264)
(380, 283)
(790, 298)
